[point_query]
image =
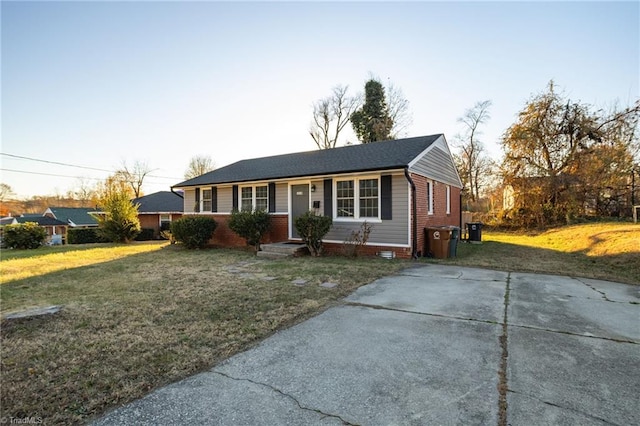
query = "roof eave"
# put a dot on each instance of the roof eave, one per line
(330, 173)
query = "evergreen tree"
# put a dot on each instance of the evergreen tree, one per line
(120, 221)
(372, 122)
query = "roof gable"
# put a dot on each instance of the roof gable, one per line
(354, 158)
(163, 201)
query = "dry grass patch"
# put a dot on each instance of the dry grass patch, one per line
(608, 251)
(144, 320)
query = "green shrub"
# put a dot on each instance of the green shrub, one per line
(27, 235)
(146, 234)
(119, 230)
(312, 228)
(193, 231)
(250, 225)
(83, 236)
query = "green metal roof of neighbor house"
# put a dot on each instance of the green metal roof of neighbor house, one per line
(383, 155)
(160, 202)
(79, 216)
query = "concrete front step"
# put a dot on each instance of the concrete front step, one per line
(272, 254)
(286, 249)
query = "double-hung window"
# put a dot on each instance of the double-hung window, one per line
(206, 200)
(254, 198)
(358, 198)
(262, 198)
(246, 199)
(345, 198)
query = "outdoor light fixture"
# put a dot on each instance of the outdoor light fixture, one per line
(313, 188)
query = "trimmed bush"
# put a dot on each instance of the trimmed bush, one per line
(83, 236)
(250, 225)
(146, 234)
(28, 235)
(312, 228)
(193, 231)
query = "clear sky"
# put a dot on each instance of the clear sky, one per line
(97, 83)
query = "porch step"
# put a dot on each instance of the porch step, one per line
(277, 250)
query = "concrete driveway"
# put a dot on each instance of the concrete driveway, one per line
(434, 345)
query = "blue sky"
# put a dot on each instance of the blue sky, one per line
(98, 83)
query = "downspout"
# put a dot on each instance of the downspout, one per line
(414, 214)
(178, 194)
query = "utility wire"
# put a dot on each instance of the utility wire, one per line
(64, 176)
(70, 165)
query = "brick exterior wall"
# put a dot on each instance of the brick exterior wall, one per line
(439, 216)
(225, 237)
(152, 221)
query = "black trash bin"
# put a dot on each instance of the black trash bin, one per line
(475, 232)
(453, 243)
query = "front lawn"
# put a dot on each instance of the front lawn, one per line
(139, 316)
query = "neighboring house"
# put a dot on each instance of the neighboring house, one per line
(156, 211)
(75, 217)
(56, 229)
(399, 187)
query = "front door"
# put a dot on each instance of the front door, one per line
(299, 205)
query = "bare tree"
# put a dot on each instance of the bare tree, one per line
(199, 165)
(399, 112)
(5, 192)
(473, 164)
(330, 116)
(134, 175)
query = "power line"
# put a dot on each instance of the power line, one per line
(46, 174)
(65, 176)
(72, 165)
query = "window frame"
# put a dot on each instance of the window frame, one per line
(430, 197)
(356, 199)
(448, 199)
(254, 196)
(203, 200)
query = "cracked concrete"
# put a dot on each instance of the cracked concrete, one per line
(432, 345)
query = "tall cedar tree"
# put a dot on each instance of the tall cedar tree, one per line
(372, 122)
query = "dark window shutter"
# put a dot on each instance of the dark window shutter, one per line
(385, 192)
(197, 206)
(328, 197)
(214, 199)
(272, 197)
(234, 195)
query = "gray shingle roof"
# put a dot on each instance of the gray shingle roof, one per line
(354, 158)
(163, 201)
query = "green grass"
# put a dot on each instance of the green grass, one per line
(139, 316)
